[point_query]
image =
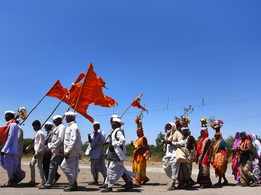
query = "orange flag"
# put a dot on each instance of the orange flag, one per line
(86, 90)
(137, 104)
(57, 91)
(92, 91)
(70, 96)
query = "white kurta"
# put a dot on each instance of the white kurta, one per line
(39, 142)
(116, 169)
(169, 161)
(57, 141)
(72, 147)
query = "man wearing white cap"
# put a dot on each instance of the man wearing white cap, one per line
(72, 151)
(10, 151)
(39, 149)
(48, 127)
(116, 155)
(97, 141)
(56, 147)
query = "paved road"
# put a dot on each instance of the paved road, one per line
(155, 187)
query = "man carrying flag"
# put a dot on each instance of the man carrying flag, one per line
(141, 154)
(72, 151)
(56, 146)
(10, 154)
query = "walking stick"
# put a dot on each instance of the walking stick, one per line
(33, 109)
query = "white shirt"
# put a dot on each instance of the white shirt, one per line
(72, 140)
(56, 144)
(257, 145)
(118, 142)
(176, 140)
(39, 142)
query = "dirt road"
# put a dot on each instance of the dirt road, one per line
(156, 186)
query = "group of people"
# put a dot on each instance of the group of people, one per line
(246, 159)
(61, 146)
(182, 150)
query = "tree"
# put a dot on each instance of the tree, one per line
(28, 144)
(159, 141)
(158, 151)
(229, 141)
(129, 148)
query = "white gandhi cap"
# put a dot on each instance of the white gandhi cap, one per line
(57, 117)
(10, 112)
(117, 120)
(70, 113)
(96, 123)
(48, 123)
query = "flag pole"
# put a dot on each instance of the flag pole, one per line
(81, 90)
(128, 108)
(33, 109)
(125, 111)
(68, 109)
(56, 107)
(54, 110)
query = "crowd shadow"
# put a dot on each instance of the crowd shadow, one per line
(134, 190)
(193, 188)
(118, 188)
(87, 189)
(154, 184)
(24, 185)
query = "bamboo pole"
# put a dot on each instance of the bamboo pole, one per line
(125, 111)
(80, 94)
(33, 109)
(128, 108)
(54, 110)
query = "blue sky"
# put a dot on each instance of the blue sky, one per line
(175, 52)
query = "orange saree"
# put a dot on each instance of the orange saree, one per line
(140, 156)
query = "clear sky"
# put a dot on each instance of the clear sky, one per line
(174, 51)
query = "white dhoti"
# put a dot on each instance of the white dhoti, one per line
(39, 162)
(70, 167)
(115, 171)
(171, 167)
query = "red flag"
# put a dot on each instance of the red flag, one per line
(92, 91)
(136, 104)
(4, 130)
(69, 97)
(57, 91)
(80, 78)
(86, 90)
(83, 111)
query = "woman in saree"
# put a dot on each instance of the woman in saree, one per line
(219, 155)
(203, 149)
(235, 157)
(247, 178)
(186, 155)
(140, 155)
